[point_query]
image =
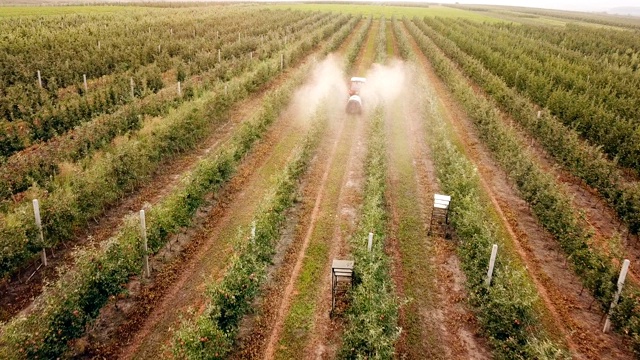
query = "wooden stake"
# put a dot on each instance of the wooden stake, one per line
(84, 79)
(219, 57)
(370, 243)
(143, 233)
(36, 212)
(179, 89)
(39, 79)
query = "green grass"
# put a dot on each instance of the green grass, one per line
(389, 11)
(13, 11)
(416, 265)
(299, 321)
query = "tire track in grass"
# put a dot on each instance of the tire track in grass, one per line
(325, 340)
(314, 251)
(316, 242)
(436, 322)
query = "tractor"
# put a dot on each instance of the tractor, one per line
(354, 104)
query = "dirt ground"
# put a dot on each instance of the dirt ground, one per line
(436, 320)
(571, 310)
(19, 293)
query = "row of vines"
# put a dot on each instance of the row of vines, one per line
(85, 192)
(75, 299)
(600, 102)
(508, 310)
(31, 116)
(548, 200)
(585, 161)
(40, 161)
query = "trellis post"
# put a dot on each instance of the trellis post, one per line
(36, 212)
(145, 249)
(492, 262)
(616, 297)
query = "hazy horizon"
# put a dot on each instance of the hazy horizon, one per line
(571, 5)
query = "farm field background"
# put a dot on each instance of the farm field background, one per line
(226, 124)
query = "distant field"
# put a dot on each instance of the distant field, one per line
(388, 11)
(9, 11)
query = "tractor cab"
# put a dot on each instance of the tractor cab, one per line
(356, 85)
(354, 104)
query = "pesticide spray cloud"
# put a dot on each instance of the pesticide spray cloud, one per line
(325, 84)
(385, 84)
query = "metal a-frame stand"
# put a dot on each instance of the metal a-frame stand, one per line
(440, 215)
(341, 280)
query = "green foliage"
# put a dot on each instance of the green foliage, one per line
(232, 298)
(381, 42)
(371, 330)
(124, 167)
(41, 114)
(75, 299)
(507, 310)
(585, 161)
(596, 98)
(549, 203)
(353, 51)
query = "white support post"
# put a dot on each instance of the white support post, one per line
(36, 212)
(492, 262)
(370, 243)
(251, 55)
(131, 83)
(217, 35)
(84, 79)
(159, 45)
(539, 114)
(98, 44)
(219, 57)
(253, 232)
(143, 233)
(179, 89)
(39, 79)
(171, 31)
(623, 275)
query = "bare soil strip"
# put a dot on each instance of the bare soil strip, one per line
(325, 340)
(436, 323)
(255, 330)
(17, 296)
(123, 317)
(321, 226)
(558, 287)
(218, 235)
